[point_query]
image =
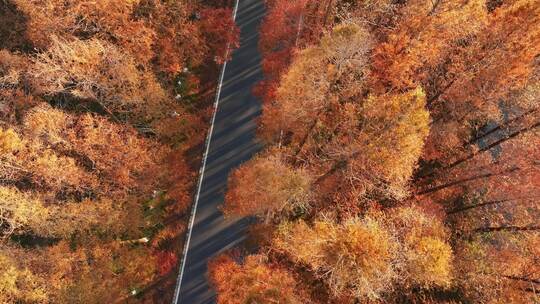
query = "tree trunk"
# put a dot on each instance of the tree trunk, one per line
(499, 127)
(489, 203)
(327, 13)
(516, 278)
(505, 228)
(464, 180)
(338, 165)
(306, 136)
(480, 151)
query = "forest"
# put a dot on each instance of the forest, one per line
(103, 109)
(401, 160)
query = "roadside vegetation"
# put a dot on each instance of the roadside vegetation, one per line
(402, 156)
(103, 109)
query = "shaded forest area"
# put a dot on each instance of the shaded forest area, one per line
(402, 156)
(103, 109)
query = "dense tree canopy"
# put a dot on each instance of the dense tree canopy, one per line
(101, 111)
(417, 124)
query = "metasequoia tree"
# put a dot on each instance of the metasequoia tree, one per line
(22, 212)
(99, 71)
(425, 248)
(98, 272)
(378, 15)
(252, 280)
(220, 32)
(111, 155)
(320, 113)
(117, 152)
(379, 151)
(422, 39)
(501, 169)
(453, 49)
(46, 124)
(373, 256)
(267, 185)
(319, 78)
(188, 33)
(66, 154)
(472, 93)
(81, 217)
(86, 138)
(357, 259)
(110, 20)
(278, 41)
(12, 67)
(511, 35)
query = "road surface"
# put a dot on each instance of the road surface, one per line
(232, 141)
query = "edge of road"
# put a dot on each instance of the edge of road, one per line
(176, 296)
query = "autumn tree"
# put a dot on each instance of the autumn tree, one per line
(426, 250)
(94, 169)
(220, 32)
(267, 185)
(319, 77)
(100, 271)
(20, 212)
(459, 94)
(278, 40)
(97, 70)
(356, 259)
(322, 113)
(106, 20)
(373, 256)
(12, 68)
(422, 38)
(189, 33)
(252, 280)
(419, 123)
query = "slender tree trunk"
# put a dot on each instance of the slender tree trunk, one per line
(338, 165)
(531, 290)
(489, 203)
(480, 151)
(327, 13)
(306, 136)
(299, 28)
(496, 143)
(464, 180)
(516, 278)
(505, 228)
(499, 127)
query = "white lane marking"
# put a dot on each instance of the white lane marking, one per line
(201, 172)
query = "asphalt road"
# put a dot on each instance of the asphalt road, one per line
(232, 142)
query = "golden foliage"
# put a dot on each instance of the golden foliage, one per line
(356, 259)
(393, 131)
(97, 70)
(427, 253)
(20, 212)
(105, 19)
(18, 284)
(266, 185)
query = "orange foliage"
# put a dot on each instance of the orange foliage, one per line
(252, 280)
(265, 186)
